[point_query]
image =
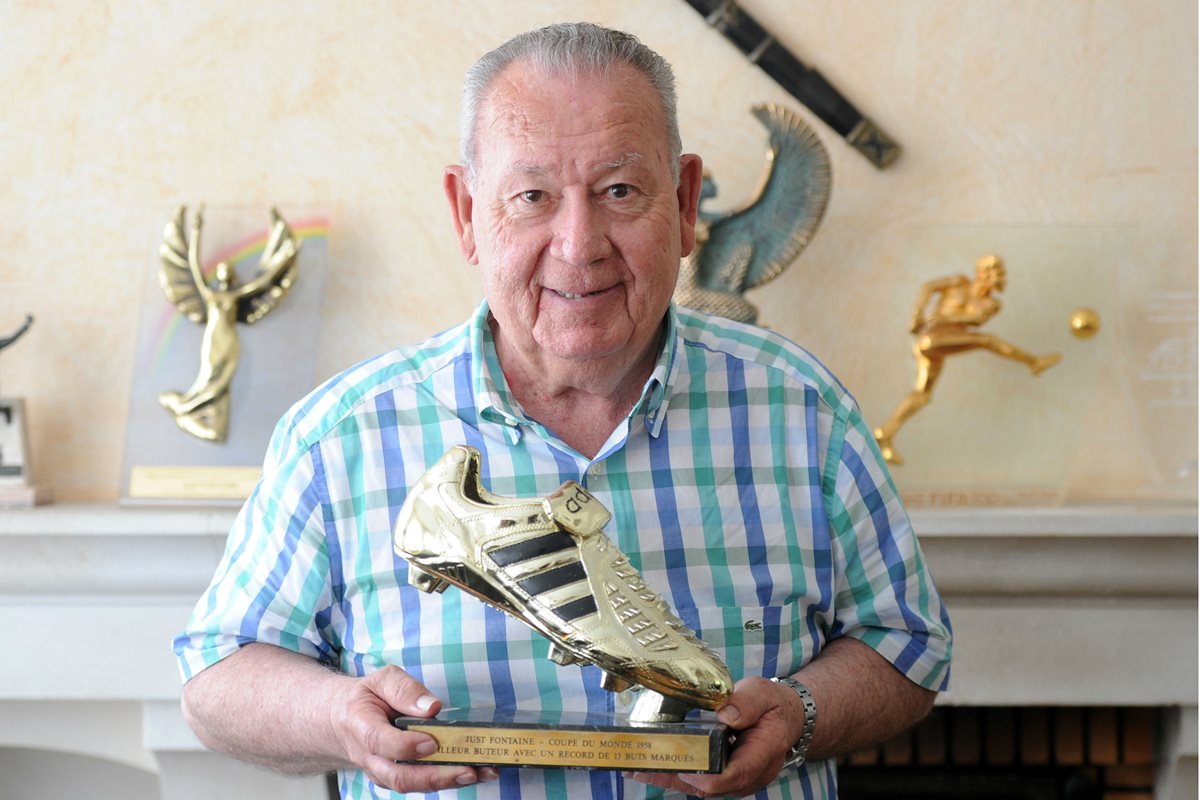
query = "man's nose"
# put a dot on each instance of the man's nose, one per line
(581, 232)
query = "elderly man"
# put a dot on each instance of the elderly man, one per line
(743, 482)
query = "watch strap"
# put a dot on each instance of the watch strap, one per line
(799, 750)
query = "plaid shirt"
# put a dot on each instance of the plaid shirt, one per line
(744, 485)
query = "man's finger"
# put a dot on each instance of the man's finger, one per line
(665, 780)
(418, 777)
(751, 698)
(398, 745)
(403, 692)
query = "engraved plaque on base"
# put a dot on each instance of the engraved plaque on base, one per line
(477, 737)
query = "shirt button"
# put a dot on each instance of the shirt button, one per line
(596, 469)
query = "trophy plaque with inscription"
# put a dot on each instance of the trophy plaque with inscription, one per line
(582, 741)
(546, 562)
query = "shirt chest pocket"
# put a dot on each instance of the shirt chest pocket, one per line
(756, 640)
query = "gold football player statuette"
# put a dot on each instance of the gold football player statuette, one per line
(203, 410)
(947, 329)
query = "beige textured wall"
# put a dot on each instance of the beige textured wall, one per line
(1061, 134)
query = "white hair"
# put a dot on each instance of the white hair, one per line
(570, 48)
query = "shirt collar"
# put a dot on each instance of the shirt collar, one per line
(492, 397)
(654, 395)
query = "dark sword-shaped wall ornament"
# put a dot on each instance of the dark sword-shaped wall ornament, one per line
(805, 84)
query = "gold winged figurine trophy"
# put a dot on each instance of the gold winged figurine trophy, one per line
(546, 562)
(743, 249)
(203, 410)
(946, 329)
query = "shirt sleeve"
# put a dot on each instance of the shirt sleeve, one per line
(884, 594)
(272, 583)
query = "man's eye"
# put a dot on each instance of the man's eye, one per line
(619, 191)
(533, 195)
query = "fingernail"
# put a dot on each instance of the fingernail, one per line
(466, 779)
(427, 748)
(425, 702)
(488, 774)
(728, 715)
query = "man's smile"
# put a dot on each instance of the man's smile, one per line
(578, 296)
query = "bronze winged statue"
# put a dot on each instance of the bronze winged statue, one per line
(742, 249)
(203, 410)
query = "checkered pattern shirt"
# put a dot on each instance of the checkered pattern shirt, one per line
(744, 485)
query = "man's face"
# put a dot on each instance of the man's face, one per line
(573, 217)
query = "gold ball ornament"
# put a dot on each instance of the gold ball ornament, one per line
(1085, 323)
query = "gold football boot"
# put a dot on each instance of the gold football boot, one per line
(546, 562)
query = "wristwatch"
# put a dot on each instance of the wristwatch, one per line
(795, 756)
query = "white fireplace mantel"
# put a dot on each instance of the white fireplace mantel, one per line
(1078, 605)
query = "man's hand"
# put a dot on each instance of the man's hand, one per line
(769, 718)
(284, 711)
(362, 723)
(861, 699)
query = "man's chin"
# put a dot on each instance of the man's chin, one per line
(576, 338)
(594, 344)
(583, 353)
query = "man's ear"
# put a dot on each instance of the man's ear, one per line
(691, 175)
(454, 182)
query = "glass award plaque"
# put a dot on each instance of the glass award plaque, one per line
(1114, 419)
(220, 359)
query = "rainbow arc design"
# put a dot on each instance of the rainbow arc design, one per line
(242, 254)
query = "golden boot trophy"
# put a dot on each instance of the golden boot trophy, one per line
(546, 562)
(946, 329)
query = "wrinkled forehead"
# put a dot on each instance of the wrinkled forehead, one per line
(527, 102)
